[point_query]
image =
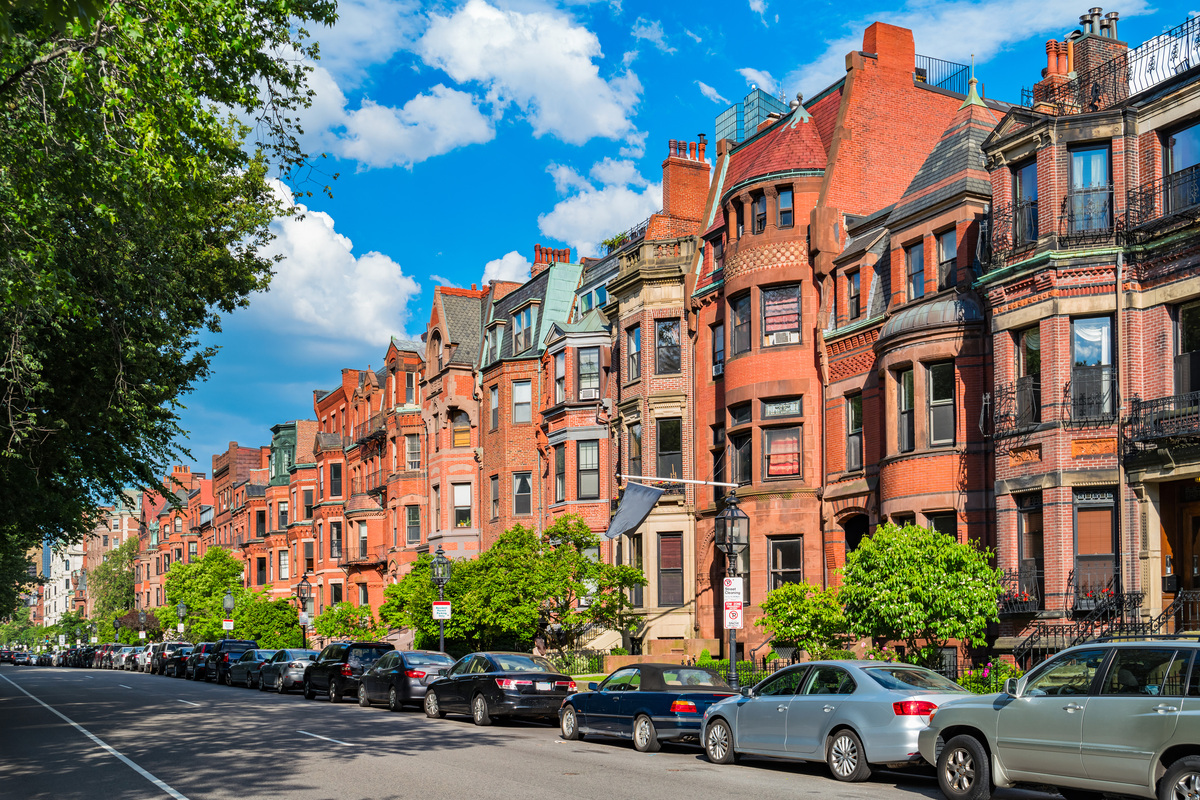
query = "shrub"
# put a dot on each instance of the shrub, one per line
(618, 651)
(988, 678)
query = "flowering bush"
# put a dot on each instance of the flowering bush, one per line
(988, 678)
(884, 653)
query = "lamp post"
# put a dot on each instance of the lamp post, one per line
(303, 592)
(439, 573)
(732, 529)
(181, 612)
(117, 628)
(142, 624)
(77, 637)
(229, 604)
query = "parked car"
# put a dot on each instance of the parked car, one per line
(160, 653)
(176, 661)
(127, 658)
(400, 677)
(649, 703)
(849, 714)
(21, 658)
(1111, 717)
(489, 685)
(45, 659)
(86, 655)
(223, 656)
(60, 658)
(6, 656)
(141, 658)
(285, 669)
(246, 670)
(197, 661)
(336, 671)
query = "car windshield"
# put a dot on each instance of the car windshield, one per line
(428, 659)
(366, 656)
(692, 677)
(518, 662)
(907, 678)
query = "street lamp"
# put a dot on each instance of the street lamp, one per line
(303, 592)
(230, 604)
(142, 624)
(117, 628)
(181, 612)
(77, 636)
(733, 536)
(439, 573)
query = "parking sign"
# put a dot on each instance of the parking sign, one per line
(733, 614)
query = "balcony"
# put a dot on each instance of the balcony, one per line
(1014, 227)
(1090, 396)
(1164, 418)
(374, 428)
(1024, 591)
(1017, 406)
(362, 556)
(374, 481)
(1163, 203)
(948, 75)
(1087, 216)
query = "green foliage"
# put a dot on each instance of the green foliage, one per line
(19, 630)
(201, 586)
(921, 587)
(135, 152)
(523, 585)
(347, 621)
(111, 583)
(618, 651)
(805, 615)
(989, 678)
(839, 655)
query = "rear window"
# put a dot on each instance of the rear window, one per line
(366, 656)
(692, 677)
(423, 659)
(517, 662)
(907, 678)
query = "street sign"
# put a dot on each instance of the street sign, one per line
(179, 627)
(733, 614)
(441, 609)
(62, 639)
(94, 640)
(733, 590)
(227, 624)
(141, 634)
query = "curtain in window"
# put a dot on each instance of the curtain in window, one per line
(781, 309)
(783, 452)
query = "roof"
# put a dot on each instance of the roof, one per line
(952, 310)
(462, 323)
(792, 143)
(554, 289)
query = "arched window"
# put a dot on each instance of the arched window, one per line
(437, 350)
(462, 428)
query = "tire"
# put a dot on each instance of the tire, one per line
(335, 691)
(433, 709)
(479, 711)
(249, 680)
(394, 703)
(718, 743)
(645, 737)
(229, 678)
(963, 770)
(1181, 779)
(262, 684)
(568, 724)
(846, 758)
(309, 692)
(279, 687)
(363, 700)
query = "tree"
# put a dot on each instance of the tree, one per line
(806, 616)
(202, 585)
(136, 147)
(347, 621)
(921, 587)
(111, 582)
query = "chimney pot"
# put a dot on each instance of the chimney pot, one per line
(1095, 15)
(700, 149)
(1112, 18)
(692, 150)
(1085, 22)
(672, 147)
(474, 288)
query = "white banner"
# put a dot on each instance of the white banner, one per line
(441, 609)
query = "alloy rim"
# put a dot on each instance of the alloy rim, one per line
(718, 742)
(960, 770)
(480, 709)
(643, 732)
(568, 722)
(844, 755)
(392, 699)
(279, 683)
(332, 692)
(1188, 786)
(431, 703)
(362, 694)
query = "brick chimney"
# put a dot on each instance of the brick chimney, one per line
(543, 257)
(685, 180)
(1099, 43)
(892, 45)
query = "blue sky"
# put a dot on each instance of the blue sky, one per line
(466, 132)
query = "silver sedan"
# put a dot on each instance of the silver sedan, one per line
(285, 670)
(849, 714)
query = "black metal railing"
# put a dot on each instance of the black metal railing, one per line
(375, 426)
(1090, 396)
(1017, 406)
(1181, 614)
(358, 554)
(947, 75)
(1087, 216)
(1024, 591)
(637, 232)
(1164, 417)
(373, 481)
(1159, 202)
(1013, 226)
(1119, 614)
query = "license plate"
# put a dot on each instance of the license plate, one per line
(544, 686)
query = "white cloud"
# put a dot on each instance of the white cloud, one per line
(540, 61)
(443, 281)
(629, 57)
(711, 93)
(635, 145)
(760, 7)
(651, 30)
(589, 214)
(566, 179)
(760, 78)
(511, 266)
(320, 285)
(694, 36)
(368, 32)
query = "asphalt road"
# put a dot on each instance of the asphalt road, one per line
(83, 733)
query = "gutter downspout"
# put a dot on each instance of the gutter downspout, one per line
(1120, 494)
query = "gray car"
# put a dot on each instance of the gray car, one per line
(285, 670)
(849, 714)
(1113, 717)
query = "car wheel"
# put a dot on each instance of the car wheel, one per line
(309, 692)
(845, 756)
(718, 743)
(363, 700)
(645, 737)
(262, 683)
(433, 709)
(1181, 781)
(479, 710)
(279, 687)
(963, 770)
(335, 692)
(393, 699)
(229, 678)
(249, 680)
(569, 724)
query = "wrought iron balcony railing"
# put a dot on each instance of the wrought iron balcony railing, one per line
(1013, 226)
(1163, 201)
(1164, 417)
(359, 555)
(1087, 216)
(374, 481)
(376, 426)
(1017, 406)
(1091, 395)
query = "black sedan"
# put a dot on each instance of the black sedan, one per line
(176, 661)
(247, 670)
(401, 677)
(488, 685)
(649, 703)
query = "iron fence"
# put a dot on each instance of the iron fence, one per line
(1017, 406)
(1087, 216)
(1091, 395)
(1164, 417)
(947, 75)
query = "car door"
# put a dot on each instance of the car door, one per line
(450, 689)
(1134, 713)
(630, 699)
(1039, 734)
(376, 678)
(597, 709)
(330, 656)
(762, 719)
(812, 711)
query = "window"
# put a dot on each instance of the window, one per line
(666, 346)
(523, 330)
(601, 296)
(853, 300)
(588, 469)
(718, 471)
(669, 442)
(437, 351)
(781, 452)
(412, 524)
(586, 303)
(521, 402)
(785, 208)
(178, 524)
(1187, 362)
(193, 549)
(854, 432)
(740, 414)
(362, 595)
(718, 249)
(308, 503)
(410, 388)
(1068, 674)
(560, 377)
(104, 540)
(1095, 546)
(494, 405)
(670, 569)
(941, 403)
(560, 473)
(283, 565)
(905, 434)
(412, 451)
(947, 242)
(1089, 202)
(1028, 368)
(718, 349)
(335, 593)
(462, 505)
(635, 449)
(522, 493)
(738, 210)
(914, 259)
(739, 313)
(461, 426)
(787, 560)
(589, 373)
(633, 346)
(758, 207)
(1025, 204)
(1148, 672)
(946, 523)
(283, 516)
(335, 541)
(1030, 545)
(781, 315)
(789, 407)
(335, 480)
(260, 523)
(1092, 378)
(742, 465)
(495, 496)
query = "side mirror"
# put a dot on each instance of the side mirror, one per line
(747, 691)
(441, 672)
(592, 686)
(1012, 687)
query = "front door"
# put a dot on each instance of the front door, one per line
(762, 719)
(1181, 565)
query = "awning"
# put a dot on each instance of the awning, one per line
(635, 506)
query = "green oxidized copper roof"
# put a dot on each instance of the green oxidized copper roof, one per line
(560, 293)
(947, 311)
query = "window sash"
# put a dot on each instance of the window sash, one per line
(854, 433)
(589, 370)
(941, 403)
(462, 505)
(786, 565)
(412, 451)
(495, 483)
(410, 391)
(462, 430)
(915, 256)
(905, 429)
(785, 208)
(782, 452)
(718, 343)
(759, 207)
(560, 473)
(739, 313)
(852, 295)
(670, 569)
(633, 344)
(666, 346)
(522, 493)
(495, 407)
(587, 454)
(635, 449)
(669, 445)
(412, 524)
(781, 309)
(947, 259)
(742, 458)
(560, 377)
(521, 401)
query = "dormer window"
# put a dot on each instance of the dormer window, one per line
(523, 329)
(437, 349)
(492, 350)
(589, 373)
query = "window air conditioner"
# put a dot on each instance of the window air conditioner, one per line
(785, 337)
(718, 369)
(589, 394)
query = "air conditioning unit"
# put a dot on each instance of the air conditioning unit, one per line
(785, 337)
(718, 369)
(589, 394)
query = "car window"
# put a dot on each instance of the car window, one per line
(830, 680)
(480, 665)
(427, 660)
(365, 656)
(247, 656)
(519, 662)
(619, 680)
(1145, 671)
(906, 678)
(387, 662)
(461, 667)
(783, 683)
(1068, 674)
(690, 676)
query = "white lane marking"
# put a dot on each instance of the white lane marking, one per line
(189, 702)
(124, 686)
(171, 792)
(326, 738)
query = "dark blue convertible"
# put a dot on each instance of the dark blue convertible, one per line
(649, 703)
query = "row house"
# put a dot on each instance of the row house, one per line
(117, 525)
(166, 525)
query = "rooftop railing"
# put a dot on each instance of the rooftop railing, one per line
(947, 75)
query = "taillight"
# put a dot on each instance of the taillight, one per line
(508, 684)
(415, 673)
(914, 708)
(297, 664)
(683, 707)
(568, 685)
(346, 671)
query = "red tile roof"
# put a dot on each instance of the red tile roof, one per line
(791, 143)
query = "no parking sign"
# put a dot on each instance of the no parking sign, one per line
(733, 614)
